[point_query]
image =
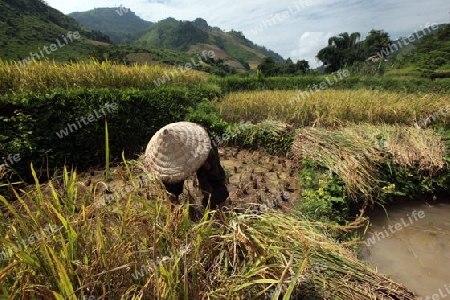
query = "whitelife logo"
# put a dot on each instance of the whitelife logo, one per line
(439, 296)
(413, 37)
(181, 69)
(378, 236)
(69, 38)
(314, 88)
(31, 240)
(11, 159)
(280, 17)
(441, 113)
(86, 120)
(122, 10)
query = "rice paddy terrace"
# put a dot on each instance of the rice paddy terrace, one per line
(291, 225)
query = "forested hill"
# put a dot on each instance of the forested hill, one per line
(120, 23)
(125, 27)
(29, 25)
(425, 50)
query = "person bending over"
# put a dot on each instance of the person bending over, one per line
(180, 149)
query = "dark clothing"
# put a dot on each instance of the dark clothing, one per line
(174, 188)
(211, 179)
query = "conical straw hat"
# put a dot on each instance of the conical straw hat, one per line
(177, 150)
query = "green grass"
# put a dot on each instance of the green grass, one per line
(411, 71)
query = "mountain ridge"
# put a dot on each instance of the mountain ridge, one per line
(180, 35)
(120, 24)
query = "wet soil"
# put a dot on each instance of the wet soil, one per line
(254, 177)
(255, 180)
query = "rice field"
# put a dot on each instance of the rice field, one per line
(46, 76)
(64, 241)
(331, 107)
(136, 245)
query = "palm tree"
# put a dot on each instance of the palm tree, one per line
(344, 41)
(354, 38)
(341, 50)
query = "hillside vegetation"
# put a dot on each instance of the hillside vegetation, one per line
(29, 25)
(119, 23)
(125, 27)
(432, 54)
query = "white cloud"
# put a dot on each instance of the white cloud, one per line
(308, 45)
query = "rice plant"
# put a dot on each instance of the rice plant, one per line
(356, 153)
(92, 239)
(47, 76)
(331, 107)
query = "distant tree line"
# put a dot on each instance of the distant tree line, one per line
(217, 67)
(347, 49)
(270, 67)
(342, 50)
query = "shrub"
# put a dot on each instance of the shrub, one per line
(375, 163)
(404, 85)
(207, 115)
(323, 195)
(35, 129)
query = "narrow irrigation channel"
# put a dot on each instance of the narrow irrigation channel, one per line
(411, 244)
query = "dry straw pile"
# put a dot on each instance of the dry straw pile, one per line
(355, 152)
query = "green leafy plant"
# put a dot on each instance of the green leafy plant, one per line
(206, 114)
(323, 195)
(408, 182)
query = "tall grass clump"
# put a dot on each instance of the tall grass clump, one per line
(47, 76)
(272, 136)
(330, 107)
(85, 238)
(375, 161)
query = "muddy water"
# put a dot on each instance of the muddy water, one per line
(415, 250)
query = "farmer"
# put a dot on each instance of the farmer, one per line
(178, 150)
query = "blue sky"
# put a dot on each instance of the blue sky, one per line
(292, 28)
